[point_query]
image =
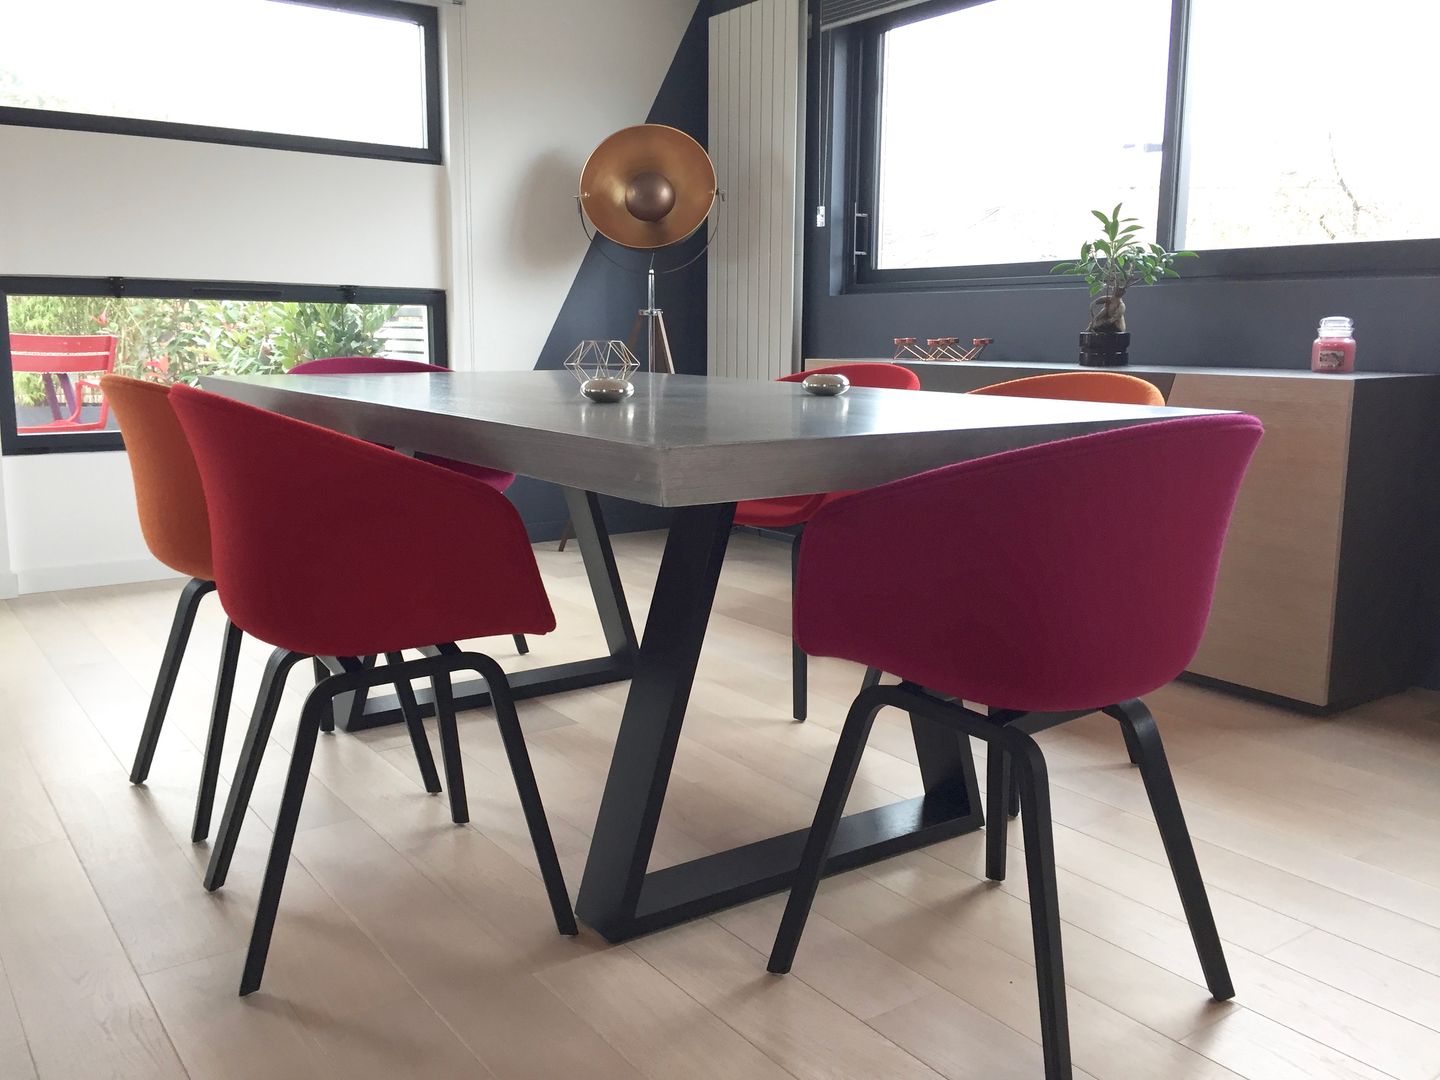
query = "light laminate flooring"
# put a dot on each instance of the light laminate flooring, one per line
(408, 947)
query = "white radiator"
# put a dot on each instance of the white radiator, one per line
(756, 67)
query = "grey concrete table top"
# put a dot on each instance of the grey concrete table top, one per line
(681, 440)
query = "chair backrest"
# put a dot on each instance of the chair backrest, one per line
(359, 365)
(1110, 386)
(324, 544)
(168, 492)
(62, 355)
(1071, 575)
(879, 376)
(383, 365)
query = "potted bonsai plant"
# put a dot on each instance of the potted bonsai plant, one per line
(1111, 265)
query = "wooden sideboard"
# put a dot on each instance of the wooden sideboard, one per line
(1327, 594)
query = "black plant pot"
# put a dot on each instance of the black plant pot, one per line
(1104, 349)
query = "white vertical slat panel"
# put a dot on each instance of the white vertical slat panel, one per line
(756, 64)
(732, 107)
(792, 181)
(713, 127)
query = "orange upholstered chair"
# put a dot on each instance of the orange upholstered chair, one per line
(176, 526)
(1108, 386)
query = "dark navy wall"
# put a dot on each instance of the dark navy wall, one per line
(605, 297)
(1266, 322)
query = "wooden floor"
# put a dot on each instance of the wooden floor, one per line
(408, 947)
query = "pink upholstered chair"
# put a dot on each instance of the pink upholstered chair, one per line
(382, 365)
(791, 512)
(1085, 582)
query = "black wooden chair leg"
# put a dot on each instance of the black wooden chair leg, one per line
(450, 746)
(251, 754)
(1132, 743)
(316, 705)
(521, 645)
(215, 740)
(799, 682)
(327, 725)
(185, 608)
(415, 725)
(998, 788)
(872, 678)
(1141, 733)
(822, 831)
(513, 737)
(1029, 765)
(799, 662)
(1014, 806)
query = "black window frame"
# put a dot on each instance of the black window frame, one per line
(859, 155)
(432, 153)
(13, 444)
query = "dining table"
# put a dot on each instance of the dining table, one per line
(695, 445)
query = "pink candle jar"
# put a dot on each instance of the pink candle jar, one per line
(1334, 348)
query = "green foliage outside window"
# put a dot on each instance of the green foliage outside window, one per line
(183, 340)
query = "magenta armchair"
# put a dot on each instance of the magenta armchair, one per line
(1084, 582)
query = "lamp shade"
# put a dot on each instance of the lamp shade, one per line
(648, 186)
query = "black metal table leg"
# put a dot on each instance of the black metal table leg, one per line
(357, 712)
(654, 712)
(617, 896)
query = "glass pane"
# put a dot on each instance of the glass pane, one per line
(1306, 123)
(61, 345)
(256, 65)
(997, 140)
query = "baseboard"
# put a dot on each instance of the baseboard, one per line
(41, 579)
(9, 585)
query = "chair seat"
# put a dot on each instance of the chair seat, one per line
(778, 513)
(491, 477)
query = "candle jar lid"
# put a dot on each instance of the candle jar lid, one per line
(1337, 326)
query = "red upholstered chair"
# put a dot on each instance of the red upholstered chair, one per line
(1085, 582)
(791, 512)
(303, 562)
(173, 518)
(382, 365)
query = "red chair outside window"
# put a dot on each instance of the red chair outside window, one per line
(55, 358)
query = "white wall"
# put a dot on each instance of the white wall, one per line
(533, 85)
(82, 203)
(88, 204)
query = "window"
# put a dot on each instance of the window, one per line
(354, 77)
(59, 335)
(985, 156)
(1270, 136)
(1323, 139)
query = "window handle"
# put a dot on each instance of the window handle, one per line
(858, 252)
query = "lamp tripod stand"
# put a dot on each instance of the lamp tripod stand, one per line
(660, 359)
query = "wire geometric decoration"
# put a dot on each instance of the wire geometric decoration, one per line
(601, 360)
